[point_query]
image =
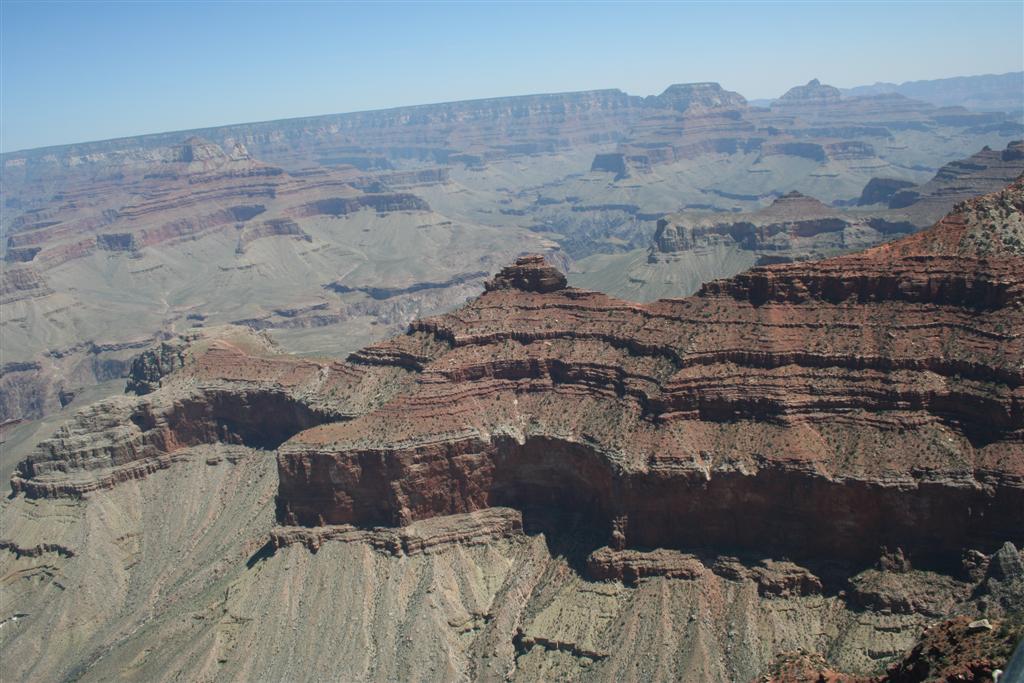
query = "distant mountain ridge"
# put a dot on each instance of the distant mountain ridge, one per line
(983, 93)
(989, 92)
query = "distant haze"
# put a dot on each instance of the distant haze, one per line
(72, 72)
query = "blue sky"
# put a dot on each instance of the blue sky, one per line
(72, 72)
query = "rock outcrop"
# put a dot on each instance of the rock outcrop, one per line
(278, 227)
(960, 180)
(957, 649)
(381, 203)
(529, 274)
(424, 537)
(814, 93)
(382, 293)
(612, 162)
(222, 385)
(19, 283)
(697, 98)
(151, 366)
(881, 190)
(793, 227)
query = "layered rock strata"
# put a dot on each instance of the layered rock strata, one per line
(197, 233)
(818, 410)
(794, 226)
(684, 121)
(223, 385)
(814, 93)
(137, 204)
(424, 537)
(813, 410)
(846, 433)
(956, 181)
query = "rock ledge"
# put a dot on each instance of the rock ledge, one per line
(529, 273)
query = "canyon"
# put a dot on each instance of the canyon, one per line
(808, 466)
(335, 231)
(571, 386)
(203, 235)
(692, 247)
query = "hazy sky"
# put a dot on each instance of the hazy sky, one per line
(72, 72)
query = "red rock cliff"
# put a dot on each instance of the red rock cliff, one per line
(821, 409)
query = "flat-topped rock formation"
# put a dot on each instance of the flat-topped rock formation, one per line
(792, 227)
(529, 274)
(697, 98)
(881, 190)
(813, 122)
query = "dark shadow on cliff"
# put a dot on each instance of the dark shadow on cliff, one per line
(574, 533)
(261, 419)
(265, 552)
(570, 535)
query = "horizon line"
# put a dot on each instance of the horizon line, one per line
(183, 131)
